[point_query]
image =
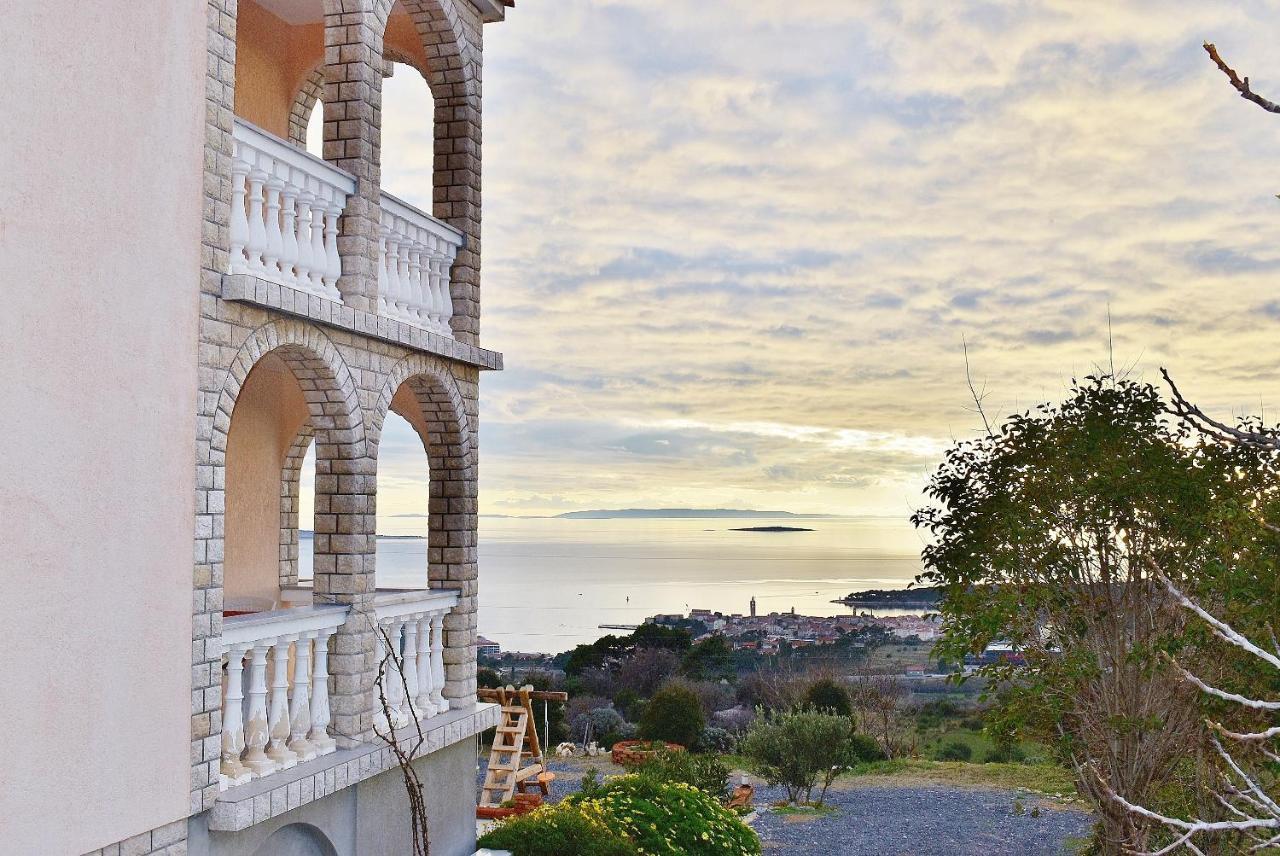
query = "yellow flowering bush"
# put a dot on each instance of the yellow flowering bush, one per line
(567, 829)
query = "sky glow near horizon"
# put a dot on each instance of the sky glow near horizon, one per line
(732, 249)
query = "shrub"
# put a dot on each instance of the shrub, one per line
(864, 748)
(568, 829)
(797, 749)
(707, 773)
(954, 751)
(1005, 754)
(713, 739)
(826, 694)
(671, 818)
(674, 714)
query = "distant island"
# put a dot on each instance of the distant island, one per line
(769, 529)
(307, 533)
(925, 596)
(681, 513)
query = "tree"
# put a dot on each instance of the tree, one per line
(876, 700)
(1044, 536)
(1251, 795)
(709, 660)
(674, 714)
(799, 750)
(826, 694)
(644, 670)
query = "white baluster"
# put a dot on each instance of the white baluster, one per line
(300, 704)
(395, 681)
(239, 222)
(278, 712)
(395, 289)
(446, 276)
(289, 232)
(406, 284)
(318, 260)
(385, 302)
(275, 241)
(232, 771)
(256, 241)
(306, 263)
(426, 682)
(333, 270)
(319, 736)
(420, 306)
(440, 293)
(381, 724)
(437, 663)
(411, 667)
(256, 728)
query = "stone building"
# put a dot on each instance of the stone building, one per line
(192, 302)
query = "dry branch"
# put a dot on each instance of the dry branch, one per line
(1241, 84)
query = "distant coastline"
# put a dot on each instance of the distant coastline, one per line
(683, 514)
(927, 597)
(770, 529)
(307, 533)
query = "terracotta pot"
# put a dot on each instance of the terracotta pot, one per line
(627, 753)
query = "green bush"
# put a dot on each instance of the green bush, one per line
(1004, 754)
(671, 818)
(864, 748)
(674, 714)
(954, 751)
(713, 739)
(798, 748)
(707, 773)
(567, 829)
(826, 694)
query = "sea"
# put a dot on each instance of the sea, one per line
(548, 584)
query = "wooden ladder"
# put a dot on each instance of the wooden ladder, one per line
(504, 772)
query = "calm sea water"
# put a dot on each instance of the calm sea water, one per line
(547, 584)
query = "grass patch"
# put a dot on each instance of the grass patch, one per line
(1047, 779)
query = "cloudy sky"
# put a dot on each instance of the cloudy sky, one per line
(733, 247)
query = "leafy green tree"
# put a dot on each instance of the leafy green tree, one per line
(711, 659)
(658, 636)
(1047, 535)
(826, 694)
(799, 750)
(674, 714)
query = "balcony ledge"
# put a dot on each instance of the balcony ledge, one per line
(243, 806)
(246, 288)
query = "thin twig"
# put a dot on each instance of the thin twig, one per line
(1241, 84)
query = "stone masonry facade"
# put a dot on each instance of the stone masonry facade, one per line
(348, 375)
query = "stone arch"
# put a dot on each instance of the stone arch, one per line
(297, 839)
(290, 501)
(304, 101)
(449, 439)
(345, 488)
(446, 41)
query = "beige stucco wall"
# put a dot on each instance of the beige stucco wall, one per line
(268, 414)
(100, 219)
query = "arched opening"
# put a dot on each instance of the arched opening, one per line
(297, 839)
(269, 414)
(279, 45)
(408, 134)
(404, 504)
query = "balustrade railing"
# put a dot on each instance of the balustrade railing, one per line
(412, 623)
(285, 206)
(417, 253)
(275, 708)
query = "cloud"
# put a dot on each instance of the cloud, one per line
(721, 236)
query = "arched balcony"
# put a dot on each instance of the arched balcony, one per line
(310, 225)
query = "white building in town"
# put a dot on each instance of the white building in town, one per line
(191, 301)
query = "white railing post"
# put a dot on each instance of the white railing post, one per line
(333, 271)
(278, 749)
(319, 259)
(289, 232)
(239, 220)
(437, 662)
(306, 262)
(426, 682)
(233, 772)
(319, 736)
(411, 667)
(300, 703)
(256, 240)
(275, 241)
(256, 729)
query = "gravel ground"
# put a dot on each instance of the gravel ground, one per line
(894, 820)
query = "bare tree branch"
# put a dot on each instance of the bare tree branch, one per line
(1198, 419)
(1241, 84)
(978, 398)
